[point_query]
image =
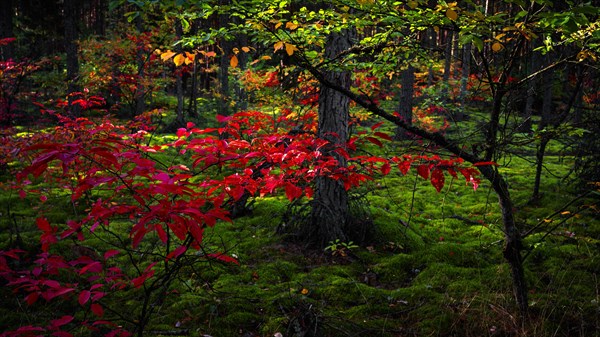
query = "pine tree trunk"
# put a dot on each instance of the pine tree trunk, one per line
(140, 91)
(406, 101)
(6, 29)
(71, 36)
(329, 216)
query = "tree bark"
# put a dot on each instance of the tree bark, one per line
(140, 91)
(513, 245)
(180, 118)
(330, 212)
(224, 59)
(406, 101)
(6, 29)
(71, 36)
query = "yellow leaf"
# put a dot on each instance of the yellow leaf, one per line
(246, 49)
(265, 57)
(291, 26)
(304, 291)
(290, 48)
(236, 50)
(451, 14)
(166, 55)
(436, 29)
(278, 45)
(233, 62)
(179, 59)
(278, 25)
(497, 46)
(565, 213)
(412, 4)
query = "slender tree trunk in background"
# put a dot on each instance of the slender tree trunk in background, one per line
(464, 80)
(406, 101)
(431, 37)
(140, 91)
(6, 29)
(533, 65)
(447, 64)
(100, 7)
(180, 118)
(224, 59)
(71, 36)
(330, 213)
(546, 120)
(241, 96)
(192, 109)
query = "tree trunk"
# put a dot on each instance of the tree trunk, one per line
(6, 29)
(547, 80)
(447, 64)
(71, 36)
(180, 118)
(464, 80)
(406, 101)
(329, 217)
(224, 59)
(140, 91)
(512, 238)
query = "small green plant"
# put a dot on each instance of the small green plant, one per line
(340, 248)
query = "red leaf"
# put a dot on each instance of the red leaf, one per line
(437, 179)
(56, 323)
(49, 295)
(32, 298)
(62, 334)
(486, 163)
(84, 296)
(385, 169)
(375, 141)
(93, 267)
(374, 127)
(404, 167)
(177, 252)
(97, 309)
(43, 225)
(223, 119)
(224, 258)
(423, 171)
(110, 254)
(292, 191)
(383, 136)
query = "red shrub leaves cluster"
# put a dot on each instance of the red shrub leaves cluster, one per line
(112, 173)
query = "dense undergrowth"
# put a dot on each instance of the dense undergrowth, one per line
(434, 268)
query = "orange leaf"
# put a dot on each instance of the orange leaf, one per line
(166, 55)
(291, 26)
(278, 45)
(246, 49)
(290, 48)
(233, 62)
(451, 14)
